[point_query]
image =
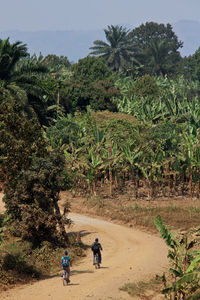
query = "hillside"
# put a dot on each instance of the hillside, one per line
(75, 44)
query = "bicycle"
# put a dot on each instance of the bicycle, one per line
(65, 277)
(96, 261)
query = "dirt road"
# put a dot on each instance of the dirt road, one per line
(128, 255)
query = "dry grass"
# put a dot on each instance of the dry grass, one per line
(106, 116)
(20, 263)
(176, 212)
(143, 289)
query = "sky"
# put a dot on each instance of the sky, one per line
(34, 15)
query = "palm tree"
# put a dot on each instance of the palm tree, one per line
(159, 53)
(21, 75)
(10, 54)
(118, 51)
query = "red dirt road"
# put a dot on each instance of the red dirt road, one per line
(129, 255)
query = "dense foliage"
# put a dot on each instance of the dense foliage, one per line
(130, 115)
(118, 52)
(184, 259)
(157, 48)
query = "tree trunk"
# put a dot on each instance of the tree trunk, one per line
(198, 188)
(94, 188)
(110, 178)
(169, 185)
(116, 181)
(190, 183)
(59, 218)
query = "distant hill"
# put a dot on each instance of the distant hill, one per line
(75, 44)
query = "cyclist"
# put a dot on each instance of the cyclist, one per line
(66, 262)
(96, 249)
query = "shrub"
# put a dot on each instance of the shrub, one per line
(145, 86)
(91, 69)
(78, 95)
(18, 263)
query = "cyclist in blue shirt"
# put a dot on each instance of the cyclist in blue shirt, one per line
(66, 263)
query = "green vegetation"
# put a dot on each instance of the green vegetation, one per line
(119, 51)
(124, 119)
(184, 258)
(163, 158)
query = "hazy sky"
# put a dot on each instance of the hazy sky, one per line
(92, 14)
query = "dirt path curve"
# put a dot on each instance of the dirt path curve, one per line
(128, 255)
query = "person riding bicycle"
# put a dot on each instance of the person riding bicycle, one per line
(96, 248)
(66, 262)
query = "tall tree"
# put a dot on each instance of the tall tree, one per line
(157, 47)
(32, 177)
(10, 54)
(118, 50)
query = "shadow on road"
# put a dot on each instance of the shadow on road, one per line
(73, 272)
(50, 276)
(84, 233)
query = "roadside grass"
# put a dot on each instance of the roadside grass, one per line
(173, 216)
(141, 213)
(20, 263)
(142, 216)
(143, 289)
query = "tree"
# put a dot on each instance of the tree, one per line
(10, 54)
(91, 69)
(189, 66)
(33, 201)
(21, 139)
(22, 76)
(159, 57)
(156, 47)
(78, 95)
(56, 64)
(118, 51)
(39, 89)
(31, 177)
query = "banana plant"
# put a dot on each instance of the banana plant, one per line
(93, 162)
(184, 260)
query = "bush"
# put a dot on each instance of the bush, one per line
(18, 263)
(145, 86)
(78, 95)
(91, 69)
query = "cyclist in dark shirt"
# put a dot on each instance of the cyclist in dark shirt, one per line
(96, 248)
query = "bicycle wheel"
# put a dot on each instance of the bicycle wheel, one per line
(96, 261)
(65, 278)
(64, 281)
